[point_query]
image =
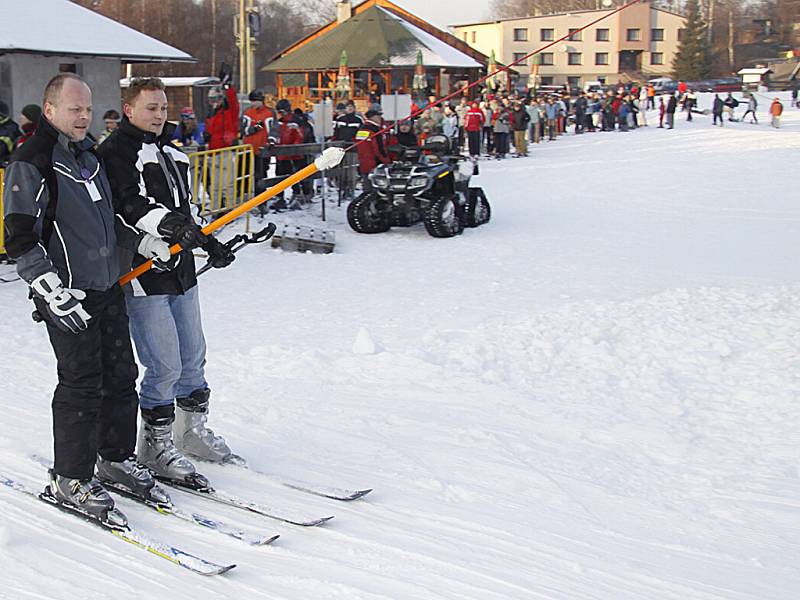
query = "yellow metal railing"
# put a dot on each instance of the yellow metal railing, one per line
(222, 179)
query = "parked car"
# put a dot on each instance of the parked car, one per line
(728, 84)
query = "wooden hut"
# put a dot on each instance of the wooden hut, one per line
(382, 43)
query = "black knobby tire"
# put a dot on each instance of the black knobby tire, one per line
(478, 209)
(365, 214)
(442, 219)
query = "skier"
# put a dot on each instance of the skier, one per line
(752, 105)
(776, 110)
(151, 188)
(716, 110)
(730, 103)
(60, 227)
(662, 108)
(672, 104)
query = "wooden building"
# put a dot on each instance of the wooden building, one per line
(382, 43)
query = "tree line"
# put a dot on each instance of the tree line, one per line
(205, 29)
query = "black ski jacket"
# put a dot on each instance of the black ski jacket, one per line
(149, 178)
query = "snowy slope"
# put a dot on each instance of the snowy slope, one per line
(593, 397)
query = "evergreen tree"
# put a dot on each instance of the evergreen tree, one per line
(693, 59)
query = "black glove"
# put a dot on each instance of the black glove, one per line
(206, 137)
(219, 255)
(181, 229)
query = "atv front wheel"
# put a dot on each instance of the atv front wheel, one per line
(442, 219)
(365, 214)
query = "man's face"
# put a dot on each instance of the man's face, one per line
(148, 111)
(111, 124)
(71, 112)
(350, 109)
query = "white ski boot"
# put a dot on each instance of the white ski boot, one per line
(193, 437)
(158, 453)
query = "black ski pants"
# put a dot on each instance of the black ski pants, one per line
(95, 403)
(474, 139)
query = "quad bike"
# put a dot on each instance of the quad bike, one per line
(425, 184)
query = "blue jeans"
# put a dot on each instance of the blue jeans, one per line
(168, 335)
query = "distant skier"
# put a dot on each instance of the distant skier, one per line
(776, 110)
(752, 105)
(716, 110)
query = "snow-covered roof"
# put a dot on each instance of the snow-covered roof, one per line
(61, 27)
(754, 71)
(434, 50)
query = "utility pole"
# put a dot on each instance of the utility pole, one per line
(247, 26)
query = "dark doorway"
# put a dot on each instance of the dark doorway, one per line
(630, 60)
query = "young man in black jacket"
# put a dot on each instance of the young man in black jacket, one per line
(61, 229)
(151, 188)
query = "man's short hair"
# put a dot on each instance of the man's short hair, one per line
(53, 87)
(140, 84)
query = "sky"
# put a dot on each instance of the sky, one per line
(447, 12)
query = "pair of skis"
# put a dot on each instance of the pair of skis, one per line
(177, 556)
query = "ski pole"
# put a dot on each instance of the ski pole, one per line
(329, 159)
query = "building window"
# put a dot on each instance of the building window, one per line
(680, 35)
(574, 82)
(574, 34)
(656, 35)
(601, 58)
(547, 81)
(521, 57)
(574, 58)
(601, 35)
(547, 58)
(520, 35)
(634, 35)
(474, 36)
(466, 36)
(547, 35)
(656, 58)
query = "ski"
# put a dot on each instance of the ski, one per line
(126, 533)
(333, 493)
(231, 500)
(191, 517)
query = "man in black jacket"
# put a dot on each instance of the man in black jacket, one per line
(61, 229)
(151, 188)
(672, 104)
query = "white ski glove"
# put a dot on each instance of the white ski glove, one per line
(329, 159)
(63, 304)
(158, 250)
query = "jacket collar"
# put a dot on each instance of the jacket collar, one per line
(147, 137)
(47, 129)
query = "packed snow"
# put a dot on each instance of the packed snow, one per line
(594, 396)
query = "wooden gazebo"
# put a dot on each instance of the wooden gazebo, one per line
(382, 43)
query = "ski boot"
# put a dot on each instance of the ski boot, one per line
(158, 452)
(131, 477)
(84, 496)
(193, 437)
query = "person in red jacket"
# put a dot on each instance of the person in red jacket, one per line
(473, 125)
(287, 131)
(222, 127)
(257, 123)
(371, 148)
